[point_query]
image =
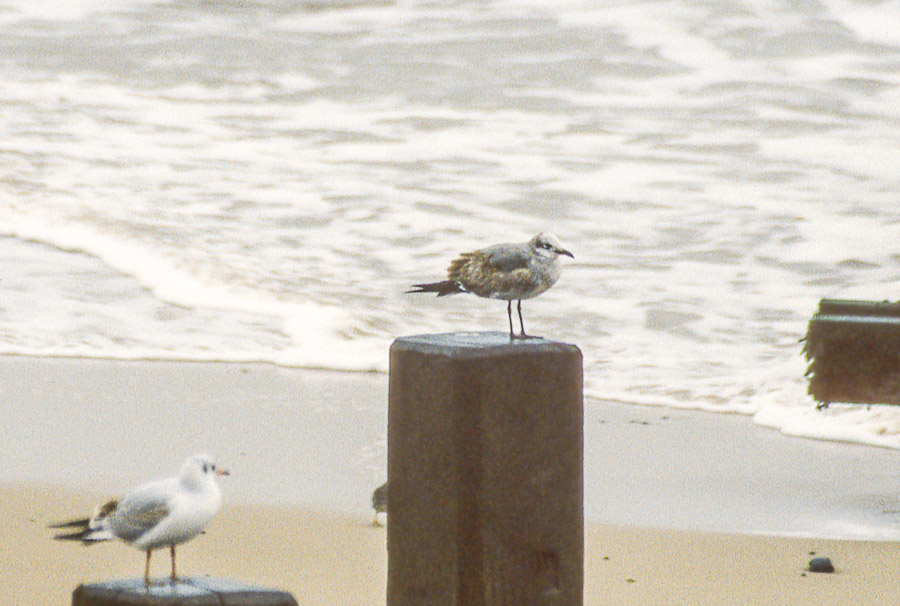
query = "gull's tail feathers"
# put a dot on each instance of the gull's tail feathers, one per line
(447, 287)
(88, 530)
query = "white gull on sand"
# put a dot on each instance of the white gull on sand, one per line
(163, 513)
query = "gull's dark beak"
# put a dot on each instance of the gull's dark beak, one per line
(562, 251)
(221, 471)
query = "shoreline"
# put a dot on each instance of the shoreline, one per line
(374, 372)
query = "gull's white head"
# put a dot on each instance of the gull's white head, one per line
(548, 245)
(200, 469)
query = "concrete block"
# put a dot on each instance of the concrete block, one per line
(186, 592)
(485, 472)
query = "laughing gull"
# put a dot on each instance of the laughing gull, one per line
(504, 271)
(164, 513)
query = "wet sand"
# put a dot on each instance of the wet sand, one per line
(318, 438)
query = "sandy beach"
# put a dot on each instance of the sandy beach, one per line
(683, 525)
(324, 558)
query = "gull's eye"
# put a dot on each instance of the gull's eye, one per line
(205, 467)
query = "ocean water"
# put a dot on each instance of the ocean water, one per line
(262, 180)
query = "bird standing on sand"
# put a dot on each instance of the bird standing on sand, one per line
(504, 271)
(379, 502)
(164, 513)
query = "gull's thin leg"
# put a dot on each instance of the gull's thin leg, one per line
(147, 569)
(172, 551)
(512, 335)
(521, 323)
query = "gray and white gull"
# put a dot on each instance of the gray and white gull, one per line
(510, 272)
(163, 513)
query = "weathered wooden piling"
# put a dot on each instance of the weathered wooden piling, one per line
(485, 472)
(854, 352)
(194, 592)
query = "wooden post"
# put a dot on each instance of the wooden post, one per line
(193, 591)
(485, 472)
(854, 352)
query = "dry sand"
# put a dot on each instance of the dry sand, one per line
(327, 559)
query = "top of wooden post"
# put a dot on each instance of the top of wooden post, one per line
(468, 344)
(196, 591)
(851, 308)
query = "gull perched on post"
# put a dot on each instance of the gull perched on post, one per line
(164, 513)
(504, 271)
